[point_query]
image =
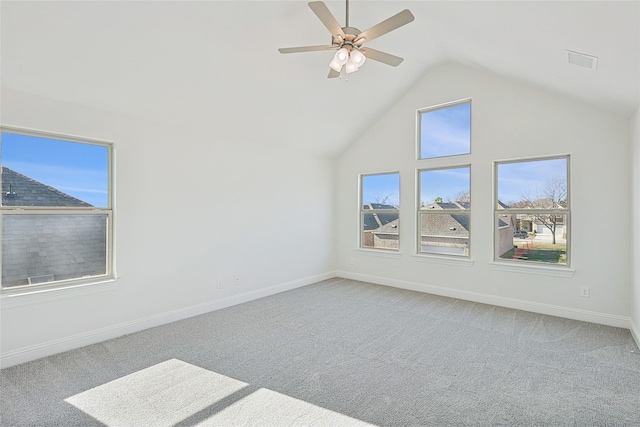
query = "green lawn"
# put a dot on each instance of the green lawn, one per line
(543, 252)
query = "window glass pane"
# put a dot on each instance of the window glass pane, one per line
(444, 234)
(445, 188)
(381, 191)
(445, 131)
(379, 218)
(533, 237)
(539, 184)
(39, 171)
(46, 248)
(381, 231)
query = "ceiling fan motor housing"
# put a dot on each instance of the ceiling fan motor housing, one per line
(350, 34)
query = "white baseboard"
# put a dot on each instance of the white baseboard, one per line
(49, 348)
(635, 333)
(549, 309)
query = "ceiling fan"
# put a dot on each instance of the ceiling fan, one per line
(349, 41)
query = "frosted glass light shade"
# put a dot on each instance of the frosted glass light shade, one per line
(351, 66)
(339, 59)
(358, 58)
(342, 55)
(337, 66)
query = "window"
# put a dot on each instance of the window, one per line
(56, 212)
(532, 210)
(379, 211)
(444, 211)
(444, 193)
(444, 130)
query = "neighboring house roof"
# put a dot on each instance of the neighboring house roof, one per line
(20, 190)
(389, 228)
(373, 221)
(501, 222)
(447, 205)
(48, 247)
(445, 225)
(454, 224)
(380, 206)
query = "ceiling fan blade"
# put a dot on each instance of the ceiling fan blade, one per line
(385, 58)
(322, 12)
(333, 74)
(390, 24)
(304, 49)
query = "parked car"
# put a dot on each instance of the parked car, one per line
(520, 234)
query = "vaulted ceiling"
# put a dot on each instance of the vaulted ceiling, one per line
(214, 65)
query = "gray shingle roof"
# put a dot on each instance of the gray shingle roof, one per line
(374, 221)
(65, 246)
(20, 190)
(448, 205)
(389, 228)
(56, 246)
(443, 224)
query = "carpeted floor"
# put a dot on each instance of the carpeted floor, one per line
(340, 352)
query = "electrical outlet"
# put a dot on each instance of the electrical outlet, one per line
(584, 291)
(353, 261)
(237, 281)
(219, 284)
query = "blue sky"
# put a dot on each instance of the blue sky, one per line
(445, 183)
(446, 131)
(80, 170)
(376, 187)
(517, 179)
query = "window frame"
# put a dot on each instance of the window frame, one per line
(362, 211)
(420, 211)
(108, 211)
(498, 210)
(442, 106)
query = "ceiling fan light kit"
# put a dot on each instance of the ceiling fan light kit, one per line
(352, 60)
(348, 41)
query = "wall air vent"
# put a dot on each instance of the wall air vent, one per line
(583, 60)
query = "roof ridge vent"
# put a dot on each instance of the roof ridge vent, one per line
(583, 60)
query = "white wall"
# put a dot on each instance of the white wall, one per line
(635, 226)
(190, 210)
(508, 121)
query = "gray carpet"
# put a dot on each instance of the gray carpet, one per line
(340, 352)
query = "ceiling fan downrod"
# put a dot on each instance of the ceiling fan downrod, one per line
(347, 14)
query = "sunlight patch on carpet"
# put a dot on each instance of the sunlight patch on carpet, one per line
(266, 407)
(160, 395)
(175, 392)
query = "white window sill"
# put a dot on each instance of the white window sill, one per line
(25, 296)
(533, 269)
(447, 260)
(381, 253)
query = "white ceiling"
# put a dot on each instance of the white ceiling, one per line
(214, 65)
